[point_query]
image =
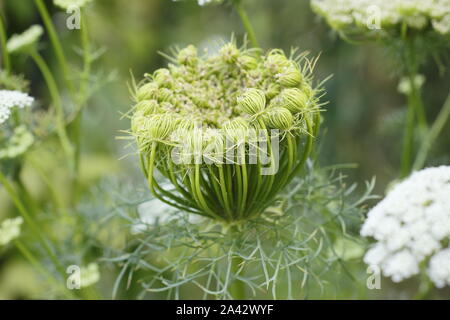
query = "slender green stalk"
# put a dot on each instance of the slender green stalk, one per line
(432, 135)
(84, 34)
(57, 102)
(237, 287)
(246, 22)
(416, 109)
(32, 224)
(56, 43)
(408, 141)
(3, 40)
(40, 268)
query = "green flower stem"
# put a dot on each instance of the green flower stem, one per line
(56, 43)
(31, 223)
(217, 190)
(87, 60)
(432, 135)
(408, 140)
(307, 150)
(416, 110)
(236, 287)
(224, 190)
(40, 268)
(197, 189)
(242, 209)
(3, 40)
(153, 186)
(268, 185)
(246, 22)
(57, 102)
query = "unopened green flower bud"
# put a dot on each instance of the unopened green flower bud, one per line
(160, 126)
(252, 102)
(163, 78)
(148, 107)
(279, 118)
(147, 91)
(290, 77)
(248, 62)
(229, 53)
(276, 61)
(165, 95)
(294, 99)
(188, 56)
(272, 90)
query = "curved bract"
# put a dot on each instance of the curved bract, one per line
(228, 130)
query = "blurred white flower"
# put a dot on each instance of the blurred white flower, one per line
(17, 144)
(10, 230)
(89, 275)
(412, 224)
(10, 99)
(157, 212)
(363, 14)
(439, 270)
(25, 40)
(67, 4)
(204, 2)
(404, 86)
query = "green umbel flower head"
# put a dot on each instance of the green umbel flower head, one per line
(228, 131)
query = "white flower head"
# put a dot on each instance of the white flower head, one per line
(412, 224)
(439, 269)
(155, 212)
(367, 15)
(17, 144)
(89, 275)
(26, 40)
(11, 99)
(67, 4)
(10, 230)
(205, 2)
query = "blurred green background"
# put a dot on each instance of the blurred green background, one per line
(363, 120)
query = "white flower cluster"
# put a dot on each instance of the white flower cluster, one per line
(204, 2)
(10, 230)
(68, 4)
(363, 14)
(89, 275)
(25, 40)
(411, 225)
(10, 99)
(155, 212)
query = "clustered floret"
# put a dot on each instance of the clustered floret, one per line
(220, 97)
(358, 15)
(10, 230)
(10, 99)
(411, 225)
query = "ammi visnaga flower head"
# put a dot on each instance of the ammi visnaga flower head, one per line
(228, 130)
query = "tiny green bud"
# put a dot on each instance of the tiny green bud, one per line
(294, 99)
(229, 53)
(276, 61)
(147, 91)
(160, 126)
(290, 77)
(248, 62)
(253, 101)
(188, 56)
(272, 90)
(279, 118)
(148, 107)
(165, 95)
(163, 78)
